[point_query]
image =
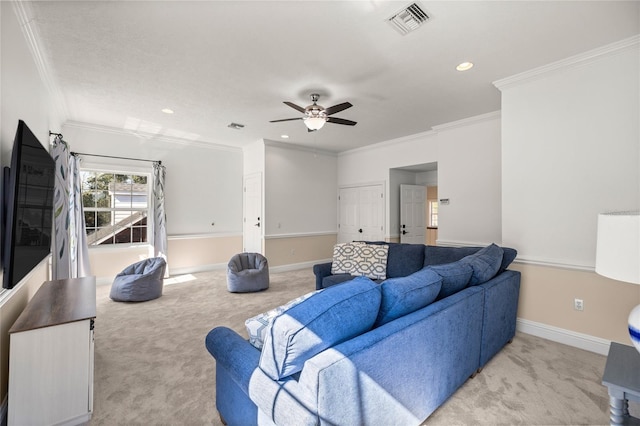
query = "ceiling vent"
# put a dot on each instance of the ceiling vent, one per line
(409, 19)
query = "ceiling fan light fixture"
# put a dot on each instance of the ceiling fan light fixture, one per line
(314, 122)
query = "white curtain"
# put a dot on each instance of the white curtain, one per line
(159, 217)
(69, 246)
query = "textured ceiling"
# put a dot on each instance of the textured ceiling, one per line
(118, 63)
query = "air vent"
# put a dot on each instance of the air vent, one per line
(409, 19)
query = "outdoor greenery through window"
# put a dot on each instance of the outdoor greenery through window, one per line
(116, 206)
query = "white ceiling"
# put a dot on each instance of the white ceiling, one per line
(118, 63)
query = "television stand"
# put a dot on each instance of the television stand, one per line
(51, 355)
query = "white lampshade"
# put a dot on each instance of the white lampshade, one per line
(618, 246)
(315, 123)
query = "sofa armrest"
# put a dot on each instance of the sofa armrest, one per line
(234, 354)
(321, 271)
(501, 295)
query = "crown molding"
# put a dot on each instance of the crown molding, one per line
(429, 133)
(391, 142)
(24, 14)
(285, 145)
(575, 61)
(468, 121)
(151, 136)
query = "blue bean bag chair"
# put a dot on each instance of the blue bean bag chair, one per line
(139, 282)
(247, 272)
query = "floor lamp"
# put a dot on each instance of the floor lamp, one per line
(618, 256)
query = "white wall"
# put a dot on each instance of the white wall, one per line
(570, 144)
(253, 155)
(468, 157)
(469, 176)
(22, 96)
(203, 182)
(300, 191)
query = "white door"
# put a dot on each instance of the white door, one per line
(252, 221)
(412, 214)
(348, 220)
(361, 214)
(371, 204)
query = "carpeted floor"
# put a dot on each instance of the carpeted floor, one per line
(151, 366)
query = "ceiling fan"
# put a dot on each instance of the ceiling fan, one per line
(316, 115)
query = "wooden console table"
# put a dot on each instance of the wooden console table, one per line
(51, 355)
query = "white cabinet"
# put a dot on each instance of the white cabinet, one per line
(51, 356)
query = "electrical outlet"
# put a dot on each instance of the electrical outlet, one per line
(578, 304)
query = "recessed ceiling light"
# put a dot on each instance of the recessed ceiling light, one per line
(167, 110)
(284, 136)
(465, 66)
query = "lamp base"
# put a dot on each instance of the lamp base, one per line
(634, 327)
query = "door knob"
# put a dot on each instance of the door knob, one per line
(404, 232)
(360, 230)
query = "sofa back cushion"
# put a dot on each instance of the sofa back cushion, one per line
(258, 326)
(455, 277)
(403, 295)
(403, 259)
(485, 263)
(325, 319)
(437, 255)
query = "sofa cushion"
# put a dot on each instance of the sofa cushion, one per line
(485, 263)
(403, 295)
(344, 257)
(336, 279)
(404, 259)
(325, 319)
(438, 255)
(371, 261)
(257, 326)
(455, 277)
(508, 256)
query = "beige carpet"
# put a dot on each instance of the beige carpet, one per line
(151, 366)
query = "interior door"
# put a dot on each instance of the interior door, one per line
(252, 221)
(361, 213)
(371, 204)
(412, 214)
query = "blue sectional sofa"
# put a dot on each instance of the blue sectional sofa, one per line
(370, 353)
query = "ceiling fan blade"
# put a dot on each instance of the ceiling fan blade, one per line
(335, 120)
(286, 119)
(338, 108)
(294, 106)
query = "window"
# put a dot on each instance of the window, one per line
(433, 214)
(116, 206)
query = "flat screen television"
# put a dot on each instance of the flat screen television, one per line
(28, 206)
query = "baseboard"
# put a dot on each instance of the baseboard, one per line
(561, 335)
